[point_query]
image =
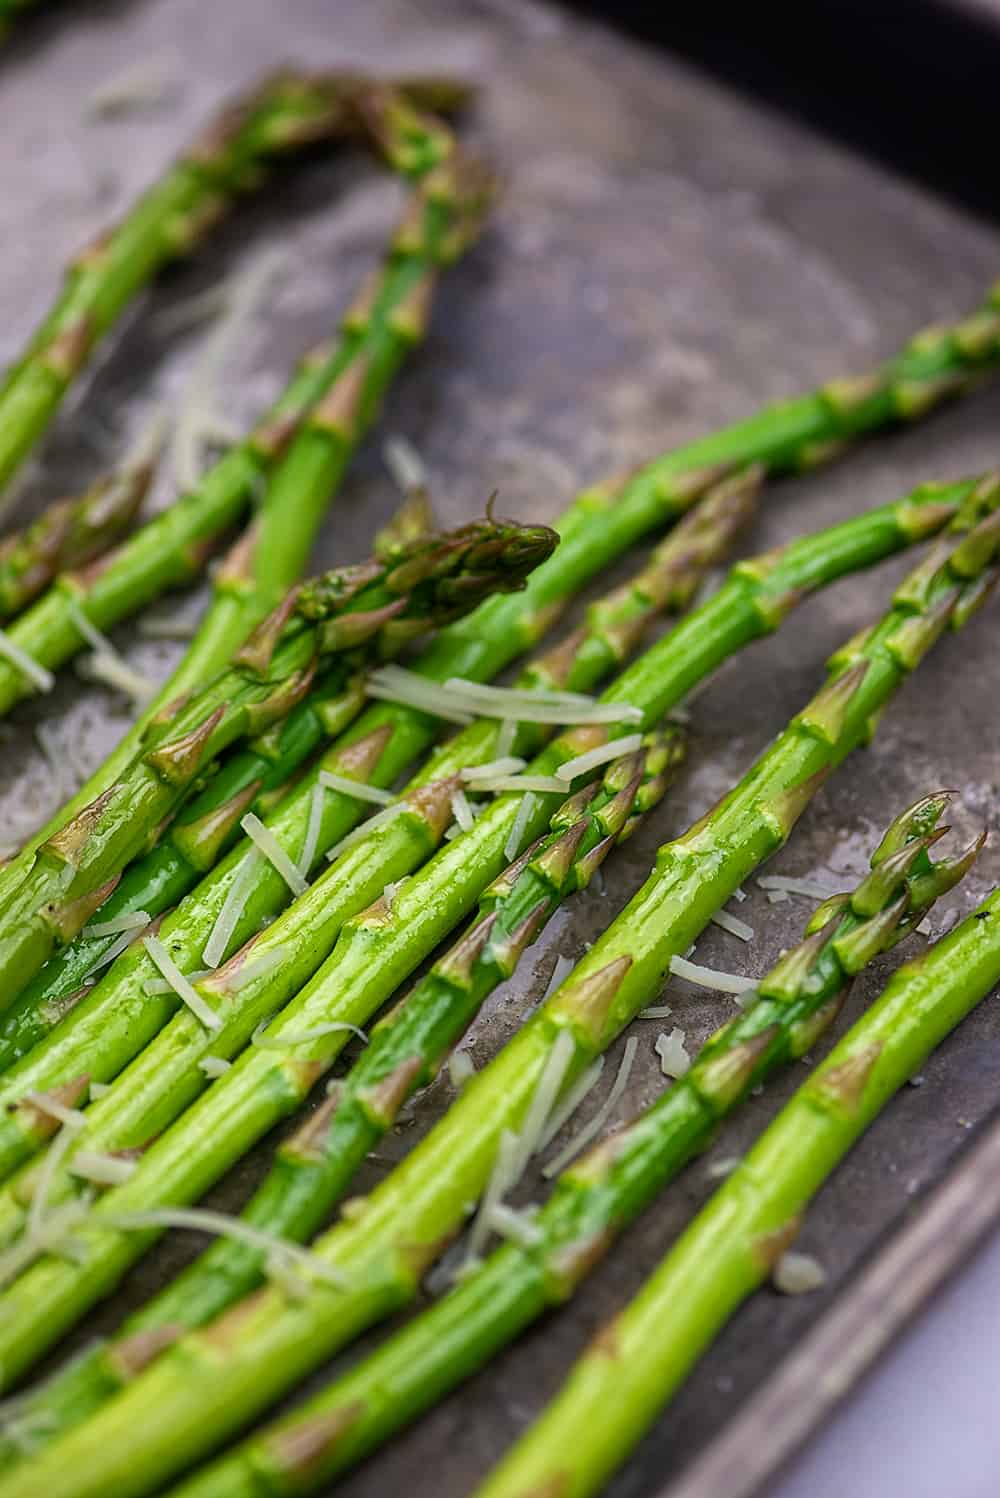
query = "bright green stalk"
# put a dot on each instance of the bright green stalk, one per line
(594, 1200)
(314, 1168)
(298, 463)
(621, 1384)
(280, 115)
(353, 612)
(72, 533)
(236, 1366)
(113, 1021)
(389, 317)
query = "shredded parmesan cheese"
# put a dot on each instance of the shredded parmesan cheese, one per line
(538, 707)
(593, 1128)
(356, 788)
(314, 824)
(582, 1088)
(101, 1168)
(107, 666)
(544, 784)
(525, 812)
(405, 465)
(98, 1090)
(129, 920)
(719, 1169)
(215, 1066)
(198, 422)
(739, 893)
(394, 684)
(710, 977)
(72, 1117)
(259, 967)
(265, 841)
(798, 1274)
(301, 1037)
(462, 811)
(563, 967)
(599, 756)
(813, 889)
(181, 986)
(117, 947)
(220, 1223)
(506, 764)
(517, 1227)
(231, 911)
(506, 737)
(734, 925)
(460, 1069)
(31, 670)
(501, 1178)
(142, 86)
(674, 1058)
(50, 1237)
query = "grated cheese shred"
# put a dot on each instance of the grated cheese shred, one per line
(596, 1124)
(181, 986)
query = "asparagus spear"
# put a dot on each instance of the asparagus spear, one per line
(729, 1249)
(73, 532)
(595, 1199)
(314, 1168)
(382, 1256)
(280, 115)
(613, 627)
(353, 611)
(110, 1024)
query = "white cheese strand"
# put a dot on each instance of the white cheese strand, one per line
(265, 841)
(674, 1058)
(220, 1223)
(181, 986)
(512, 847)
(599, 756)
(710, 977)
(356, 788)
(31, 670)
(593, 1128)
(279, 1041)
(129, 920)
(733, 925)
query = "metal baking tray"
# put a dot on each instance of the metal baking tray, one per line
(667, 256)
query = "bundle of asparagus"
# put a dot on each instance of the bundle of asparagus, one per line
(618, 1387)
(350, 985)
(350, 612)
(596, 1198)
(213, 1381)
(280, 115)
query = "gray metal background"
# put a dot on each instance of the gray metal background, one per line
(666, 258)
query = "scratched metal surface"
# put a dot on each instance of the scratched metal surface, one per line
(666, 257)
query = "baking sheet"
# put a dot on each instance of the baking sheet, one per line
(666, 257)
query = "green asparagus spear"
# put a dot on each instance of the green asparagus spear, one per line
(729, 1249)
(73, 532)
(112, 1021)
(595, 1199)
(376, 606)
(314, 1168)
(280, 115)
(382, 1255)
(153, 884)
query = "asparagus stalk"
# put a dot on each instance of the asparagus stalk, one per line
(206, 825)
(279, 116)
(354, 612)
(407, 1219)
(729, 1249)
(315, 1167)
(73, 532)
(111, 1022)
(340, 386)
(596, 1198)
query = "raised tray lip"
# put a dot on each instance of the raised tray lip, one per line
(884, 1295)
